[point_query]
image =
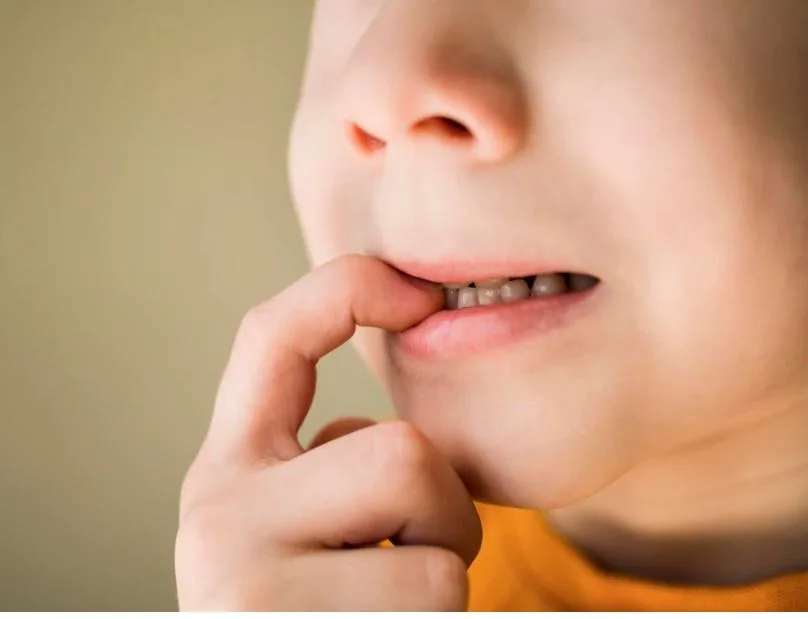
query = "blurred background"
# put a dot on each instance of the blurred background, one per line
(144, 208)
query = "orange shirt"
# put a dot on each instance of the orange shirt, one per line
(525, 566)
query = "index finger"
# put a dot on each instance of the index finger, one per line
(268, 384)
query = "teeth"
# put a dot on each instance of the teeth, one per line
(488, 296)
(514, 290)
(550, 284)
(491, 283)
(466, 297)
(579, 282)
(452, 295)
(494, 291)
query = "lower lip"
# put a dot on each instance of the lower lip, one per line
(481, 329)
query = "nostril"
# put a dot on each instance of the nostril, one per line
(366, 142)
(443, 126)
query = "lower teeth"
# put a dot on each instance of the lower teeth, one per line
(493, 292)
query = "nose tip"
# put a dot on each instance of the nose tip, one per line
(458, 106)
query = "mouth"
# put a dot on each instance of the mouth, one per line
(488, 310)
(463, 295)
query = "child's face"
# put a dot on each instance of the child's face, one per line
(660, 146)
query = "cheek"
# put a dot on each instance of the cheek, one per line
(713, 235)
(726, 292)
(738, 333)
(328, 193)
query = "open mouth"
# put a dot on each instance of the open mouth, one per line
(463, 295)
(484, 308)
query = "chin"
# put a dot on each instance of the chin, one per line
(518, 464)
(537, 484)
(536, 443)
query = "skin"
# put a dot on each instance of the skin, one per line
(267, 525)
(658, 145)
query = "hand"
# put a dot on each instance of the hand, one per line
(265, 525)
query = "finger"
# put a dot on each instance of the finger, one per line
(383, 579)
(382, 482)
(268, 385)
(339, 428)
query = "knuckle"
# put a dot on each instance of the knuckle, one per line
(402, 451)
(188, 493)
(254, 322)
(202, 479)
(446, 580)
(209, 502)
(199, 534)
(259, 326)
(192, 489)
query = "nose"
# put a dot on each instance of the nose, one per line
(416, 77)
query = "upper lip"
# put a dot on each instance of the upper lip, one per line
(464, 270)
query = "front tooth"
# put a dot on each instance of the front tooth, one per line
(488, 296)
(514, 290)
(579, 282)
(491, 283)
(456, 285)
(451, 296)
(466, 297)
(550, 284)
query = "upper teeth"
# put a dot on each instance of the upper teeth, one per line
(546, 285)
(460, 295)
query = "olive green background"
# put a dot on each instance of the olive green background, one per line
(144, 208)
